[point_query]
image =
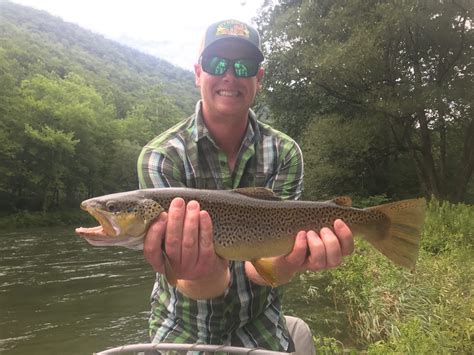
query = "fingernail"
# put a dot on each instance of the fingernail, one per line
(325, 230)
(192, 205)
(301, 236)
(178, 202)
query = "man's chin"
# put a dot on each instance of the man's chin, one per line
(231, 106)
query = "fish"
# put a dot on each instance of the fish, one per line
(254, 224)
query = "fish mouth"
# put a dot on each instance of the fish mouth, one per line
(107, 227)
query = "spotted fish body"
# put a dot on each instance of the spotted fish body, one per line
(252, 223)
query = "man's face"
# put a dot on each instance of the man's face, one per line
(228, 95)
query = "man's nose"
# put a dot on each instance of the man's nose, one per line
(229, 74)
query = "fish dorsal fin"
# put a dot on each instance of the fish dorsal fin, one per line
(257, 192)
(342, 201)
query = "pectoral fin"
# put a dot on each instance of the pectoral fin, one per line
(169, 273)
(266, 269)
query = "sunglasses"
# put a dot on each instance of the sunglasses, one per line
(217, 66)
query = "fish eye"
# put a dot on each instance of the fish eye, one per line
(110, 206)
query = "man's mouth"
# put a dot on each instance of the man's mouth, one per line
(228, 93)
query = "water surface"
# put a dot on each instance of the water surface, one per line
(60, 295)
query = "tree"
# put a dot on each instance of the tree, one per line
(408, 63)
(355, 159)
(62, 132)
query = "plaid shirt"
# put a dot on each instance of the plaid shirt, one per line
(186, 156)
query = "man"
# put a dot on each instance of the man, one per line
(223, 146)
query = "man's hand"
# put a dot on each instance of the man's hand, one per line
(187, 236)
(311, 251)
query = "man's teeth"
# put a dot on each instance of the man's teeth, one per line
(228, 93)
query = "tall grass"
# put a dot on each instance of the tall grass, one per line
(381, 308)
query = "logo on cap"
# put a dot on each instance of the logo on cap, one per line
(232, 28)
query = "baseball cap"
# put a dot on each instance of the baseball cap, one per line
(233, 29)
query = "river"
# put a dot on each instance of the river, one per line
(59, 295)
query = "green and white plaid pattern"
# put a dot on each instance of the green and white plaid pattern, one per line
(186, 156)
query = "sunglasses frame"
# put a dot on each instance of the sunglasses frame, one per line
(229, 63)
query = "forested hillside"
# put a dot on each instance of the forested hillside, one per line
(75, 108)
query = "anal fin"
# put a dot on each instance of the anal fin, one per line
(266, 269)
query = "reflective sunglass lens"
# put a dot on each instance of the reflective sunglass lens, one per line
(243, 68)
(217, 66)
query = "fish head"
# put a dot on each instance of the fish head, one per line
(123, 219)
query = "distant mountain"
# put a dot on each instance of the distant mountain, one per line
(76, 109)
(161, 49)
(53, 45)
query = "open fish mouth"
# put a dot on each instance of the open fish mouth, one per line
(91, 232)
(106, 228)
(97, 236)
(111, 230)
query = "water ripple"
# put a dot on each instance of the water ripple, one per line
(56, 290)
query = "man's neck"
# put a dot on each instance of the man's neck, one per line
(228, 133)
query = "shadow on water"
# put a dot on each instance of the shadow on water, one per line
(59, 295)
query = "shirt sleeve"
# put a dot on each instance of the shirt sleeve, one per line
(158, 169)
(287, 180)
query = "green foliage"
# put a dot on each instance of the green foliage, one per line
(405, 66)
(26, 219)
(355, 159)
(455, 231)
(75, 110)
(328, 346)
(368, 303)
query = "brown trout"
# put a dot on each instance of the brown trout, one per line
(254, 224)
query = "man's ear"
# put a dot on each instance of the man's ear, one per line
(197, 74)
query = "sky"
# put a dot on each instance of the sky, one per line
(168, 29)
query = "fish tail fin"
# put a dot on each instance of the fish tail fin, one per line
(400, 241)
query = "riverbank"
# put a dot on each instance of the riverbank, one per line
(27, 219)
